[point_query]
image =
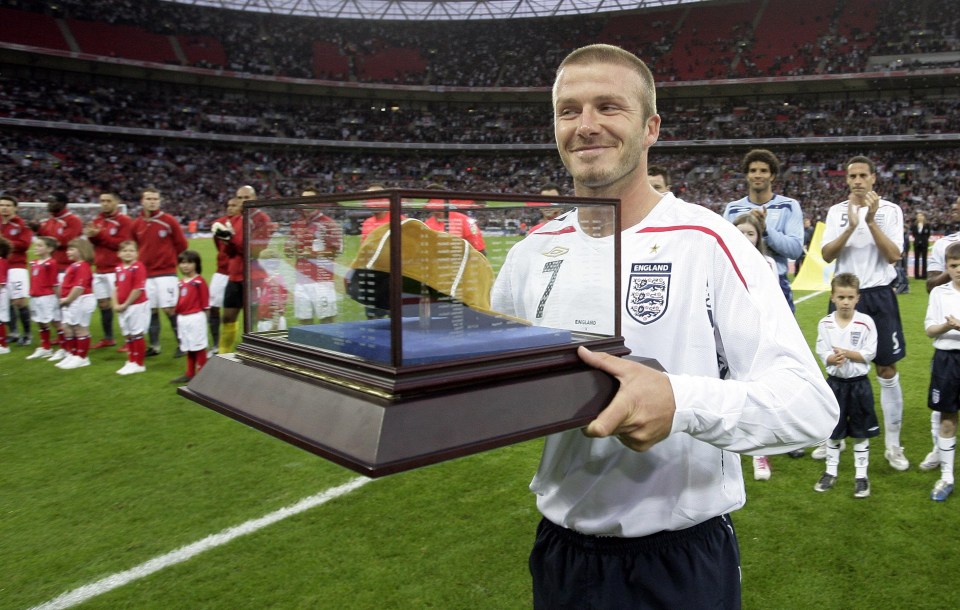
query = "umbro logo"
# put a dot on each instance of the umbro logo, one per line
(557, 251)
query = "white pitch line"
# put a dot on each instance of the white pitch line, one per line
(82, 594)
(809, 296)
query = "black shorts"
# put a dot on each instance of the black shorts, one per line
(944, 394)
(233, 295)
(858, 416)
(880, 303)
(698, 567)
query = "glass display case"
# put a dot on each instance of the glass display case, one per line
(395, 328)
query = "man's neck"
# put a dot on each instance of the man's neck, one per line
(636, 201)
(761, 197)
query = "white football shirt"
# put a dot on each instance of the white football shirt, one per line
(697, 296)
(861, 256)
(859, 335)
(944, 300)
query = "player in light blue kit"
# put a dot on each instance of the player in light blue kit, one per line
(783, 238)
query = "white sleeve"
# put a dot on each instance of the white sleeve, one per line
(775, 397)
(824, 348)
(832, 229)
(934, 314)
(936, 261)
(893, 227)
(869, 349)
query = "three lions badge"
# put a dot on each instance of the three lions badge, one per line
(647, 291)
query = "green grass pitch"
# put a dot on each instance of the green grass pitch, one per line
(101, 473)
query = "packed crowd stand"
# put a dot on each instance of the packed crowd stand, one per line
(522, 53)
(195, 178)
(208, 110)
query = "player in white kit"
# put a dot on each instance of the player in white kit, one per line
(864, 235)
(639, 499)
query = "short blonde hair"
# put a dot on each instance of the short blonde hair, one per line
(610, 54)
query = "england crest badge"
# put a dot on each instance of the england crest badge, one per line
(648, 291)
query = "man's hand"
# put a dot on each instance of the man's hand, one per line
(853, 214)
(641, 413)
(872, 201)
(760, 213)
(91, 230)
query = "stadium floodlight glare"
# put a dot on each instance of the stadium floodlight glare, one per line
(435, 10)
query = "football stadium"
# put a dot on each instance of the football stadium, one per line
(117, 491)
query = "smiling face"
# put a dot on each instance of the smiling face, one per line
(127, 253)
(600, 128)
(759, 177)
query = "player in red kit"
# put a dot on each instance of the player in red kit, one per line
(106, 232)
(192, 304)
(76, 305)
(262, 228)
(160, 239)
(15, 230)
(444, 220)
(132, 306)
(272, 304)
(4, 295)
(218, 282)
(315, 241)
(44, 305)
(379, 218)
(62, 225)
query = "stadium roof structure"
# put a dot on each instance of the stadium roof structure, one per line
(433, 10)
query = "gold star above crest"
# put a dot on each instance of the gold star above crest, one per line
(654, 248)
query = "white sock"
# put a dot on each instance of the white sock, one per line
(947, 447)
(934, 427)
(833, 457)
(861, 456)
(891, 403)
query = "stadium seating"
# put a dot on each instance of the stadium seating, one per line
(33, 29)
(125, 41)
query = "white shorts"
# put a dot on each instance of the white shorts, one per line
(79, 311)
(135, 319)
(18, 284)
(103, 285)
(278, 323)
(317, 300)
(45, 309)
(218, 285)
(192, 331)
(4, 304)
(162, 291)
